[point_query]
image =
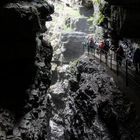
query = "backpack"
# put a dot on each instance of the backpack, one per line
(120, 52)
(102, 45)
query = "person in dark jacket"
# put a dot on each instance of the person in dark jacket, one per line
(120, 55)
(136, 59)
(91, 44)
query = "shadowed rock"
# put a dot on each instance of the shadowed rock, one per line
(19, 25)
(24, 69)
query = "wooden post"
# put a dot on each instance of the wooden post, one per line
(106, 57)
(117, 66)
(126, 72)
(100, 56)
(111, 61)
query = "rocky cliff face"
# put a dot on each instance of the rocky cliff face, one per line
(127, 19)
(87, 105)
(124, 17)
(121, 24)
(25, 57)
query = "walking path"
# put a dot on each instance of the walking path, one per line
(132, 89)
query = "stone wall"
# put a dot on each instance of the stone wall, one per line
(126, 14)
(25, 57)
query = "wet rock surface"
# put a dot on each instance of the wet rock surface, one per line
(91, 106)
(72, 45)
(80, 24)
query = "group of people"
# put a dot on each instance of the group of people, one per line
(91, 45)
(136, 57)
(104, 48)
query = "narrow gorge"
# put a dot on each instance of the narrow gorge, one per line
(51, 86)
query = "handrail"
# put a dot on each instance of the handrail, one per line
(129, 73)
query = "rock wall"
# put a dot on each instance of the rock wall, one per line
(25, 57)
(96, 108)
(122, 24)
(87, 105)
(124, 18)
(72, 45)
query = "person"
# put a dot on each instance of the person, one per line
(107, 44)
(91, 44)
(85, 44)
(120, 55)
(136, 59)
(102, 46)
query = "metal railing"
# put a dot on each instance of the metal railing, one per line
(110, 59)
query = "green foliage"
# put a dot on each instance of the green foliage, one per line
(90, 20)
(68, 29)
(74, 13)
(100, 19)
(96, 19)
(66, 12)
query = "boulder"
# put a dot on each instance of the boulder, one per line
(80, 24)
(72, 45)
(86, 11)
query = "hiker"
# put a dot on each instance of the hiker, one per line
(91, 44)
(84, 44)
(102, 46)
(136, 59)
(119, 55)
(107, 44)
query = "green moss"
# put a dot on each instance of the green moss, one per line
(90, 20)
(100, 19)
(96, 19)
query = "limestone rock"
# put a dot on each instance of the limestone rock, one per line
(72, 45)
(87, 3)
(95, 107)
(80, 24)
